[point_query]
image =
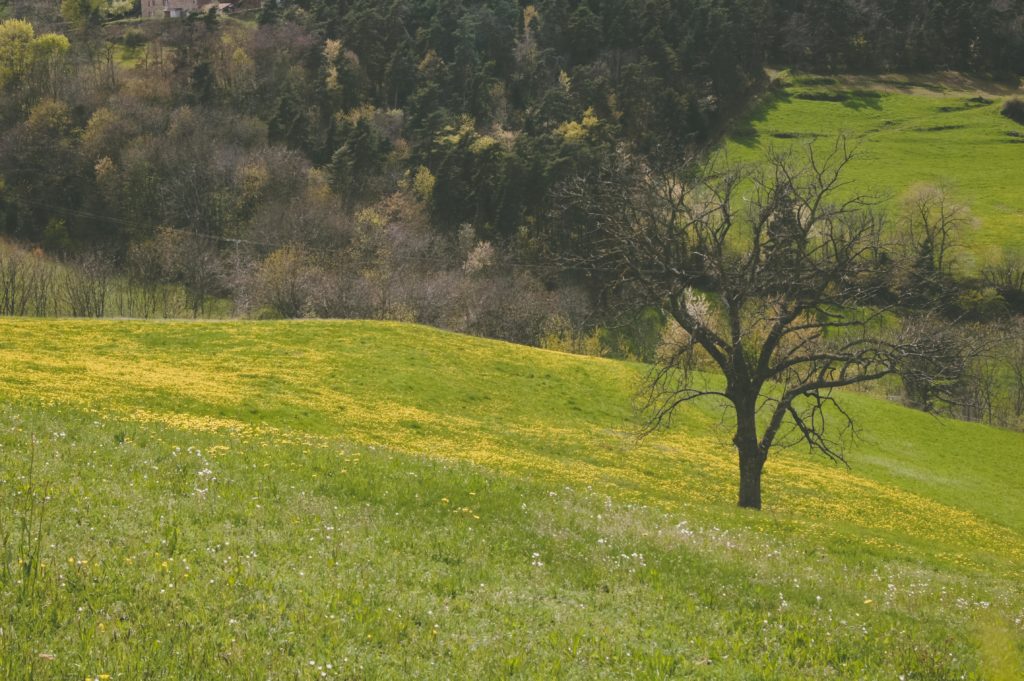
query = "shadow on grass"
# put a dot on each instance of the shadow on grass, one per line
(746, 133)
(851, 99)
(942, 82)
(910, 85)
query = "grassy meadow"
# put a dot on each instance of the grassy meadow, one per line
(943, 130)
(352, 500)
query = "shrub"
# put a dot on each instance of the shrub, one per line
(134, 38)
(26, 282)
(559, 333)
(284, 283)
(981, 305)
(1014, 110)
(86, 284)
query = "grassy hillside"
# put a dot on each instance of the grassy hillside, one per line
(943, 130)
(260, 500)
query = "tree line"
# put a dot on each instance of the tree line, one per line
(981, 36)
(312, 114)
(490, 104)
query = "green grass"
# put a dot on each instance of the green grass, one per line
(908, 131)
(128, 57)
(240, 500)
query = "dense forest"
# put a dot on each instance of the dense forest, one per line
(399, 159)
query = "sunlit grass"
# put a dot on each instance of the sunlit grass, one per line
(403, 502)
(907, 133)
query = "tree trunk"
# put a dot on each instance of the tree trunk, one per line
(749, 450)
(750, 480)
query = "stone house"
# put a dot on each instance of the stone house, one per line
(169, 8)
(180, 8)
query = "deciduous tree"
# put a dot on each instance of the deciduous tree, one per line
(777, 276)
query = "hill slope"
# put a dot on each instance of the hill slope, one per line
(395, 500)
(943, 130)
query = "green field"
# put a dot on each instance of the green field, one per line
(355, 500)
(942, 130)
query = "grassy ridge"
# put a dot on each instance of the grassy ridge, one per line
(942, 130)
(373, 496)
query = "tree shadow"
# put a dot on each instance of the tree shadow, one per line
(864, 99)
(908, 86)
(745, 133)
(851, 99)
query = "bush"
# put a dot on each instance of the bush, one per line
(1014, 110)
(86, 285)
(26, 282)
(284, 283)
(981, 305)
(134, 38)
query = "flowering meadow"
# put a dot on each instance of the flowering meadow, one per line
(350, 500)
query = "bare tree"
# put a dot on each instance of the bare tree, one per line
(193, 261)
(980, 392)
(931, 226)
(285, 281)
(1015, 364)
(1006, 275)
(146, 277)
(15, 281)
(777, 276)
(86, 285)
